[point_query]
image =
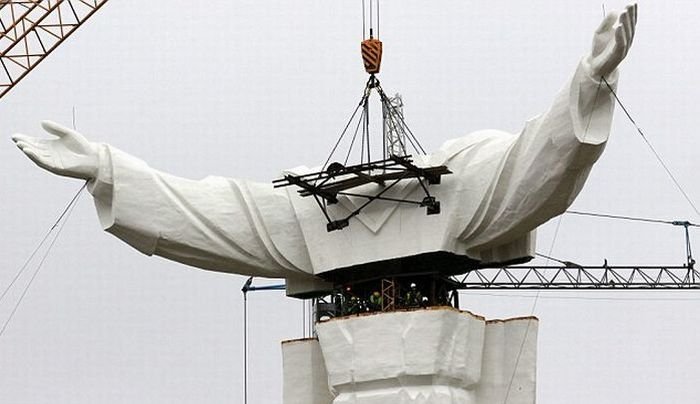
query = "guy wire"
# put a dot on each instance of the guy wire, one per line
(66, 213)
(656, 154)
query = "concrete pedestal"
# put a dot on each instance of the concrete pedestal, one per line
(305, 375)
(436, 356)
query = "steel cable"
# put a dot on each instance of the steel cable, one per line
(532, 313)
(41, 243)
(629, 218)
(656, 154)
(65, 214)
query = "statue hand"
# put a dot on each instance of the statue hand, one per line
(70, 154)
(612, 41)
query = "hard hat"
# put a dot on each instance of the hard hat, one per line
(413, 285)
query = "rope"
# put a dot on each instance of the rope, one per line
(377, 18)
(24, 266)
(366, 129)
(590, 118)
(66, 213)
(630, 218)
(352, 142)
(656, 154)
(371, 23)
(532, 312)
(43, 240)
(364, 28)
(342, 134)
(665, 167)
(245, 341)
(549, 258)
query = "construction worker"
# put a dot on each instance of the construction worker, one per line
(413, 297)
(375, 301)
(338, 300)
(443, 299)
(354, 306)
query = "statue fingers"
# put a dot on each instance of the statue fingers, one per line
(29, 148)
(613, 54)
(17, 137)
(24, 145)
(632, 10)
(626, 22)
(59, 130)
(633, 23)
(41, 160)
(607, 22)
(621, 45)
(38, 150)
(28, 140)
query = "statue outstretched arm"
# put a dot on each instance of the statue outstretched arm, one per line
(216, 223)
(546, 165)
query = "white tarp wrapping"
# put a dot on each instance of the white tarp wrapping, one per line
(304, 373)
(436, 356)
(503, 186)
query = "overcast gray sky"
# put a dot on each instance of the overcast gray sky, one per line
(248, 88)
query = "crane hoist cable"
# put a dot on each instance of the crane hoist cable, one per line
(334, 180)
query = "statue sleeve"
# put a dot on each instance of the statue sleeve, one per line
(546, 165)
(216, 223)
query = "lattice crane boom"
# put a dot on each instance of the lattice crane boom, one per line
(578, 277)
(31, 29)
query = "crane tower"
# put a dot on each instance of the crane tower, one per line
(31, 29)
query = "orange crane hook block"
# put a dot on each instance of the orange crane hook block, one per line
(372, 55)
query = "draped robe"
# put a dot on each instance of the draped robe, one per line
(503, 186)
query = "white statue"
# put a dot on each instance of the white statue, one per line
(503, 186)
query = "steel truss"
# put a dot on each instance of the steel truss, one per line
(579, 277)
(338, 178)
(325, 186)
(394, 134)
(31, 29)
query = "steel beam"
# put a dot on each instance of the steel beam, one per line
(31, 29)
(579, 277)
